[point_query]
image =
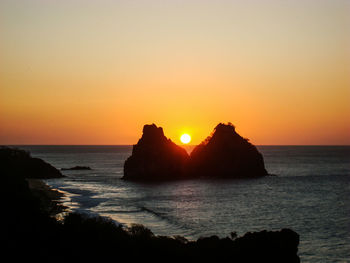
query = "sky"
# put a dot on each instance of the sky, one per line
(94, 72)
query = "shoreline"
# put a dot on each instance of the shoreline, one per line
(61, 202)
(51, 199)
(144, 240)
(31, 226)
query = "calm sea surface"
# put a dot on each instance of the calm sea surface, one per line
(310, 194)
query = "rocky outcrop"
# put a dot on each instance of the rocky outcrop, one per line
(19, 163)
(226, 154)
(155, 157)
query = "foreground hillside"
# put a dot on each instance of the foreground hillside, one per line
(29, 228)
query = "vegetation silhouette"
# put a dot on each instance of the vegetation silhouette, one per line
(29, 230)
(223, 154)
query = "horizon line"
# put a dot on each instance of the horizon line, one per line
(177, 144)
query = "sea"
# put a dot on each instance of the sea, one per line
(309, 193)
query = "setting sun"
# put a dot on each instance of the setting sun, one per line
(185, 138)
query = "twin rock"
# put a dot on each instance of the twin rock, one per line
(223, 154)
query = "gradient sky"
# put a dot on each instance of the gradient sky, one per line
(94, 72)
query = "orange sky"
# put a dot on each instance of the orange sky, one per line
(94, 72)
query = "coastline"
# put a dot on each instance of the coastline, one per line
(100, 234)
(31, 226)
(51, 200)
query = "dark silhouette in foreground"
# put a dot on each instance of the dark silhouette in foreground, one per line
(76, 168)
(224, 154)
(19, 163)
(29, 230)
(155, 157)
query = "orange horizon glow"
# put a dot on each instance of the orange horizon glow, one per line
(95, 72)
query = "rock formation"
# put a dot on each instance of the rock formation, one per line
(19, 163)
(76, 168)
(226, 154)
(155, 157)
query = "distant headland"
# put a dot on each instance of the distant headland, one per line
(20, 163)
(223, 154)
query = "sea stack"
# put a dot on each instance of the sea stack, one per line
(226, 154)
(155, 157)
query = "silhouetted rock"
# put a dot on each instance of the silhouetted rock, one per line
(226, 154)
(19, 163)
(76, 168)
(155, 157)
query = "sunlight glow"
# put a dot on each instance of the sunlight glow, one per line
(185, 138)
(184, 65)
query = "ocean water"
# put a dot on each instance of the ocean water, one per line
(310, 194)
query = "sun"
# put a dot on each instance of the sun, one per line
(185, 138)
